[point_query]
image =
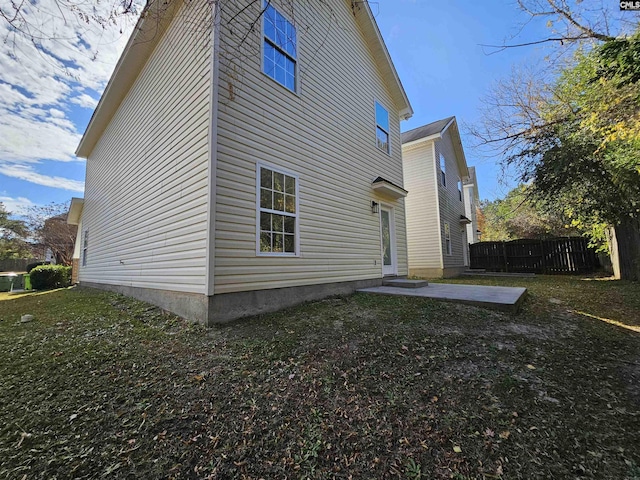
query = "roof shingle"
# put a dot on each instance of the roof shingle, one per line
(425, 130)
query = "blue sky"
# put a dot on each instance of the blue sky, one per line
(435, 46)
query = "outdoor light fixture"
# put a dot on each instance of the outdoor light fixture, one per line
(375, 206)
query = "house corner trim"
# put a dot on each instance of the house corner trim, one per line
(213, 147)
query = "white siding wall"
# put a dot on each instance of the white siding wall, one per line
(146, 189)
(450, 205)
(77, 247)
(470, 212)
(423, 236)
(325, 133)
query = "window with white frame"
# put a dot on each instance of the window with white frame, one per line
(382, 128)
(460, 188)
(85, 247)
(280, 48)
(277, 212)
(447, 238)
(443, 171)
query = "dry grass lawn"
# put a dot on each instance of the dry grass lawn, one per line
(100, 385)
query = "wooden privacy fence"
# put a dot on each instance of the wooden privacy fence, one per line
(15, 264)
(555, 255)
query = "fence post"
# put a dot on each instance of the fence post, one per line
(544, 257)
(506, 260)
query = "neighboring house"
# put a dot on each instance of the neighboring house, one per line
(434, 170)
(246, 166)
(471, 204)
(79, 253)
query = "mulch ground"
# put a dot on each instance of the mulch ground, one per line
(100, 385)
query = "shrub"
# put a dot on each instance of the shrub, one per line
(50, 276)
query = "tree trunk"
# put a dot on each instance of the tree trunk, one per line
(624, 245)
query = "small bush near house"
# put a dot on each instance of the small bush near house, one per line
(50, 276)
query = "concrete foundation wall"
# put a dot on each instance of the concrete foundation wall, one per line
(231, 306)
(451, 272)
(192, 306)
(226, 307)
(448, 272)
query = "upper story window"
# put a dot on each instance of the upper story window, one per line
(443, 171)
(277, 212)
(460, 188)
(280, 48)
(382, 128)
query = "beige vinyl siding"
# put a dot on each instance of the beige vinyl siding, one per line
(324, 133)
(470, 212)
(423, 234)
(146, 188)
(471, 204)
(450, 205)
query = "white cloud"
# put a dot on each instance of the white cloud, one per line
(54, 112)
(84, 100)
(29, 174)
(16, 206)
(68, 61)
(31, 134)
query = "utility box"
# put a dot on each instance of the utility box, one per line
(10, 281)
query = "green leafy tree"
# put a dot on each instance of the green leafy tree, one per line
(12, 236)
(521, 215)
(575, 136)
(48, 225)
(587, 157)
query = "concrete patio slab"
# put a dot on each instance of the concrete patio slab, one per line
(497, 298)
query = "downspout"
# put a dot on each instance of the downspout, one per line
(436, 171)
(213, 148)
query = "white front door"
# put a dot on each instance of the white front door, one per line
(388, 242)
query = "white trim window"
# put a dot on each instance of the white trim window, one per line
(443, 171)
(85, 247)
(277, 212)
(280, 47)
(447, 238)
(460, 188)
(382, 129)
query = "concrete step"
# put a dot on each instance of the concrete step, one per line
(404, 283)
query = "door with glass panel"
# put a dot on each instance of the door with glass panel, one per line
(388, 241)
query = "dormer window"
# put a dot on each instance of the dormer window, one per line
(280, 48)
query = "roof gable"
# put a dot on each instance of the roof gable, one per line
(367, 22)
(436, 131)
(152, 24)
(430, 129)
